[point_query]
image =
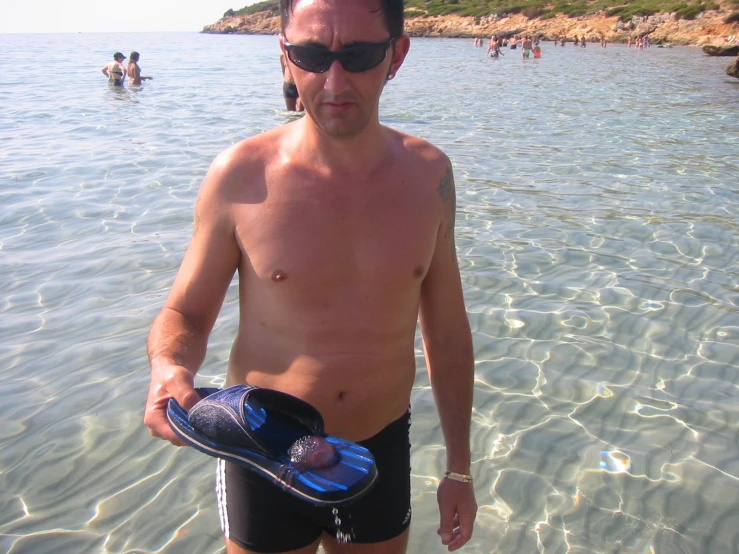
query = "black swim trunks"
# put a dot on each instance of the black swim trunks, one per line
(257, 515)
(289, 90)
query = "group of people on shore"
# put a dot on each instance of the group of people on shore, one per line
(116, 72)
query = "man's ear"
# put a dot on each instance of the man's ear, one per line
(281, 38)
(399, 50)
(283, 55)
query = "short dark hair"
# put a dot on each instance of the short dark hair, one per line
(134, 57)
(393, 10)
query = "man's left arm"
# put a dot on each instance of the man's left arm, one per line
(450, 361)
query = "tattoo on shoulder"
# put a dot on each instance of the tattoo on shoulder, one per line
(446, 192)
(446, 185)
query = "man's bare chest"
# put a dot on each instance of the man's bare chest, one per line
(333, 240)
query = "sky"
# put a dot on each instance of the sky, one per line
(88, 16)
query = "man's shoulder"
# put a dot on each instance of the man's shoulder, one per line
(421, 151)
(242, 166)
(251, 152)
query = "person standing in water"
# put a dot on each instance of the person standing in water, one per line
(342, 233)
(114, 71)
(526, 47)
(134, 71)
(494, 48)
(289, 90)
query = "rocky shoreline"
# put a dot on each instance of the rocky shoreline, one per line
(706, 28)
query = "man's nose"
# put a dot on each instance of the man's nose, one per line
(336, 78)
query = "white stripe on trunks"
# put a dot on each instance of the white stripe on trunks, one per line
(221, 495)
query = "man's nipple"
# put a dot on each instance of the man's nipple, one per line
(279, 275)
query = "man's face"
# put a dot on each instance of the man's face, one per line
(342, 104)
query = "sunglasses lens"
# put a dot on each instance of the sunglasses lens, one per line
(310, 58)
(356, 59)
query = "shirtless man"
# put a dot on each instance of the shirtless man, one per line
(526, 46)
(342, 233)
(494, 48)
(114, 71)
(134, 71)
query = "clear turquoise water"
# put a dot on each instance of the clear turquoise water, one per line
(598, 195)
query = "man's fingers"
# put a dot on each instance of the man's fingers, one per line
(187, 397)
(462, 533)
(155, 417)
(446, 525)
(165, 432)
(178, 384)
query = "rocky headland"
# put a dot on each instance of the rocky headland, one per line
(707, 27)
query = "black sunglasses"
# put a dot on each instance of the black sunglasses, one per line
(359, 57)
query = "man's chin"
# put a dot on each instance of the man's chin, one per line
(342, 127)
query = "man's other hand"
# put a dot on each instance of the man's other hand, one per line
(457, 511)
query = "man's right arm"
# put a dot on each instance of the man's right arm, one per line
(179, 335)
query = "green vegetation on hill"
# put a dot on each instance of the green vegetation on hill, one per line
(272, 6)
(625, 10)
(543, 9)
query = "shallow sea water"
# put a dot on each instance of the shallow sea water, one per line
(598, 200)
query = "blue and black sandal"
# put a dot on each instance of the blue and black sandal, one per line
(281, 438)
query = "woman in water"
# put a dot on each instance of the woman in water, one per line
(134, 71)
(114, 71)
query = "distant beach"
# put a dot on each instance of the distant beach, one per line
(707, 28)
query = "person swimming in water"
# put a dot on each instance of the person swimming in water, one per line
(114, 71)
